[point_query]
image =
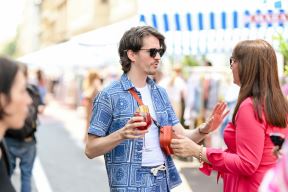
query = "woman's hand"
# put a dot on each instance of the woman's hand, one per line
(219, 113)
(184, 147)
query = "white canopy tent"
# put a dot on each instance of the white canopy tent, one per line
(97, 49)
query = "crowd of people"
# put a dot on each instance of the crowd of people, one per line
(130, 141)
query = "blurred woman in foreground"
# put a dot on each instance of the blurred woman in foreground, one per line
(14, 102)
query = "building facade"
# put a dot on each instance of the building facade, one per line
(48, 22)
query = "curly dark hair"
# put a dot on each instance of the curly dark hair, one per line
(133, 40)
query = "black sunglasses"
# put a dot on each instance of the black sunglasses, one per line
(153, 52)
(231, 61)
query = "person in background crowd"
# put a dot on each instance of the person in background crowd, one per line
(193, 108)
(230, 97)
(261, 108)
(92, 86)
(41, 84)
(21, 143)
(285, 86)
(158, 76)
(114, 129)
(177, 90)
(14, 102)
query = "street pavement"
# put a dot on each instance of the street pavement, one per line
(62, 166)
(196, 180)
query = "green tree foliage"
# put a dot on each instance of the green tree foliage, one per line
(283, 48)
(189, 61)
(10, 48)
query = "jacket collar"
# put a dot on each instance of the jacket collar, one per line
(127, 84)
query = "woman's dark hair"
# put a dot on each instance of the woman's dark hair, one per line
(8, 72)
(258, 74)
(133, 40)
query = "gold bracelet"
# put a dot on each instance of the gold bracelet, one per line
(204, 124)
(200, 154)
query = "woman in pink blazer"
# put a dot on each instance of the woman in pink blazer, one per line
(261, 109)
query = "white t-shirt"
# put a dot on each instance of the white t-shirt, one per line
(153, 155)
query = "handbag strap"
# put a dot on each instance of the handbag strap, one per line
(140, 102)
(135, 95)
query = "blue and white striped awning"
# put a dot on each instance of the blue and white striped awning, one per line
(206, 32)
(216, 20)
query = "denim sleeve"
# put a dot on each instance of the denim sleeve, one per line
(102, 114)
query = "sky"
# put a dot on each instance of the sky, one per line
(10, 15)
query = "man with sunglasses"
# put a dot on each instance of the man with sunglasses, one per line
(113, 126)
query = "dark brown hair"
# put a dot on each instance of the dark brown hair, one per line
(257, 68)
(8, 72)
(133, 40)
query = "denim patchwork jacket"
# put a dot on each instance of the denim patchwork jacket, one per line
(112, 108)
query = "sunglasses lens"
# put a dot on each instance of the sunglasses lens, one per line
(161, 52)
(153, 52)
